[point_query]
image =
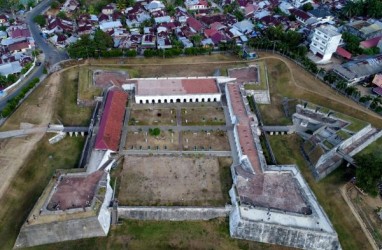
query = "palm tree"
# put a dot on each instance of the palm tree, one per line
(121, 4)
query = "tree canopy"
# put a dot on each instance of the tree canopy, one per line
(369, 172)
(369, 8)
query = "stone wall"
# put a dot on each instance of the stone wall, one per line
(173, 213)
(32, 235)
(282, 235)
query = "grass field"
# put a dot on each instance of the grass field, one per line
(263, 78)
(31, 180)
(67, 110)
(86, 89)
(287, 151)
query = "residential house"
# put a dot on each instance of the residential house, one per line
(322, 15)
(110, 25)
(299, 3)
(70, 6)
(148, 41)
(196, 4)
(58, 25)
(325, 41)
(194, 24)
(10, 68)
(3, 20)
(163, 39)
(108, 10)
(302, 16)
(364, 29)
(245, 26)
(359, 70)
(154, 6)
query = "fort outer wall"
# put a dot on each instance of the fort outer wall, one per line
(173, 213)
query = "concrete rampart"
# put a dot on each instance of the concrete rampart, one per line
(282, 235)
(33, 235)
(173, 213)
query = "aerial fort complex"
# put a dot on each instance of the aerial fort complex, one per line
(169, 137)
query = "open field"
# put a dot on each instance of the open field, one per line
(287, 151)
(86, 89)
(152, 116)
(367, 207)
(68, 112)
(203, 116)
(209, 140)
(31, 180)
(171, 180)
(167, 140)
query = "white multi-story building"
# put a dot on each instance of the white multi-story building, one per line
(325, 41)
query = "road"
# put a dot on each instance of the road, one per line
(52, 55)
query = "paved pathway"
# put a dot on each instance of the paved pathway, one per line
(22, 132)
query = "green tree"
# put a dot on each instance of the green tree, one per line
(40, 20)
(154, 131)
(121, 4)
(307, 7)
(55, 5)
(196, 39)
(103, 40)
(62, 15)
(369, 172)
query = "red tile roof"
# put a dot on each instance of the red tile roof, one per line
(18, 46)
(194, 24)
(244, 129)
(20, 33)
(111, 123)
(343, 52)
(378, 80)
(370, 43)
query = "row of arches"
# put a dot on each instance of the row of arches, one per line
(179, 100)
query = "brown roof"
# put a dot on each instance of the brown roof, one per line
(112, 120)
(159, 87)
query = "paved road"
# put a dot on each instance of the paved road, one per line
(52, 55)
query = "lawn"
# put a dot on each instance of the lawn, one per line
(31, 180)
(287, 151)
(263, 78)
(67, 110)
(86, 89)
(355, 124)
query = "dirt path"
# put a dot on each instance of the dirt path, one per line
(39, 109)
(372, 242)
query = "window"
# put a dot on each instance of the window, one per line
(318, 32)
(321, 48)
(315, 44)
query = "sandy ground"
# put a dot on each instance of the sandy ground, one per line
(167, 180)
(13, 152)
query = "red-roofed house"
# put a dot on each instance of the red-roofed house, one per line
(21, 46)
(20, 33)
(194, 24)
(110, 127)
(371, 43)
(378, 80)
(344, 53)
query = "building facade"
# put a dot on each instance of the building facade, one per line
(325, 41)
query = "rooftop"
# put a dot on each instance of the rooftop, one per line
(176, 86)
(111, 122)
(74, 191)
